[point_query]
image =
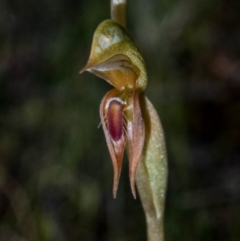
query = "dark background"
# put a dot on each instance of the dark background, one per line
(55, 169)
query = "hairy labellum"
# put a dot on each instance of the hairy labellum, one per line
(115, 119)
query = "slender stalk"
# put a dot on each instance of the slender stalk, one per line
(118, 11)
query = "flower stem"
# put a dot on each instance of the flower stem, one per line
(118, 11)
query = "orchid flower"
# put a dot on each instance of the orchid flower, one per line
(120, 110)
(129, 119)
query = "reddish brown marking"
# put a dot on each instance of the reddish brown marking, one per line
(115, 119)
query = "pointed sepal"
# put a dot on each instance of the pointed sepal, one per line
(112, 118)
(135, 135)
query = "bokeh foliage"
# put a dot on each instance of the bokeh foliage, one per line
(55, 170)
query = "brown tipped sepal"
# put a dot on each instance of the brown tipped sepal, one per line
(111, 113)
(136, 136)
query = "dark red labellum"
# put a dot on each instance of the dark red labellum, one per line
(115, 119)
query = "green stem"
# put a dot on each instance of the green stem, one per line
(118, 11)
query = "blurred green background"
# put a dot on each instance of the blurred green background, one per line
(55, 169)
